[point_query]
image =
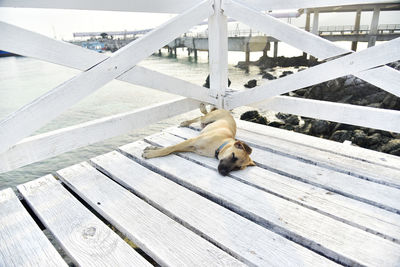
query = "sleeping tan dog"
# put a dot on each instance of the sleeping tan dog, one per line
(217, 139)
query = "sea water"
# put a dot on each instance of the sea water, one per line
(23, 79)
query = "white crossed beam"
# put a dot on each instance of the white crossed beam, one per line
(100, 70)
(33, 116)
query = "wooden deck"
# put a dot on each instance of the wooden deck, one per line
(309, 202)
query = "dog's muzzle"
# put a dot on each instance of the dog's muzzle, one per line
(225, 167)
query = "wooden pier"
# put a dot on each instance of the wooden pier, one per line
(309, 202)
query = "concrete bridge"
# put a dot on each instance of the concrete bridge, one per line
(253, 41)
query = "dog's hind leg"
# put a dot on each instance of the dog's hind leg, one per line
(188, 122)
(185, 146)
(203, 108)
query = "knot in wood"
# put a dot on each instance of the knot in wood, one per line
(89, 232)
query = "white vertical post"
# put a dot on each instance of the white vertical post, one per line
(315, 23)
(373, 31)
(218, 52)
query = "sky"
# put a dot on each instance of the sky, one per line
(61, 24)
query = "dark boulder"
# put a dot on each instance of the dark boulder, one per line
(359, 138)
(374, 139)
(341, 136)
(254, 116)
(292, 120)
(391, 102)
(276, 124)
(269, 76)
(251, 84)
(392, 147)
(319, 127)
(207, 83)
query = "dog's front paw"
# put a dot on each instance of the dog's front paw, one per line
(150, 152)
(184, 124)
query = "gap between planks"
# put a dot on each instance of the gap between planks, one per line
(317, 232)
(335, 205)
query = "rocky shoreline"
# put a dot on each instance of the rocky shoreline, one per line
(348, 89)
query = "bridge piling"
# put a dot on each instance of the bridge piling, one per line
(374, 27)
(356, 29)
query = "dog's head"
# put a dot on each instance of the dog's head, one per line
(236, 157)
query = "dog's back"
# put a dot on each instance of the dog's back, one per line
(217, 120)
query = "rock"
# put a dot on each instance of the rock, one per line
(301, 92)
(248, 115)
(374, 139)
(288, 127)
(285, 73)
(392, 147)
(269, 76)
(207, 83)
(288, 72)
(254, 116)
(373, 98)
(343, 126)
(292, 120)
(359, 138)
(319, 127)
(341, 136)
(282, 116)
(391, 102)
(276, 124)
(251, 84)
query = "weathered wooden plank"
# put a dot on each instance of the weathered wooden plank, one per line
(218, 53)
(87, 240)
(45, 108)
(152, 6)
(332, 238)
(44, 48)
(43, 146)
(355, 167)
(374, 118)
(297, 4)
(247, 241)
(21, 241)
(353, 152)
(163, 239)
(353, 63)
(350, 211)
(313, 44)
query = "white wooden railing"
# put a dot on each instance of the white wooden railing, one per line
(17, 149)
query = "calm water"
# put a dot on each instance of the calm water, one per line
(24, 79)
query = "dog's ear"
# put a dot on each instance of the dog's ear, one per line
(251, 163)
(244, 146)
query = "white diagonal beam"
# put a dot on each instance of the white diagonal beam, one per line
(153, 6)
(287, 33)
(45, 108)
(50, 144)
(375, 118)
(308, 42)
(15, 40)
(353, 63)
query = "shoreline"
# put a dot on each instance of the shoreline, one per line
(349, 90)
